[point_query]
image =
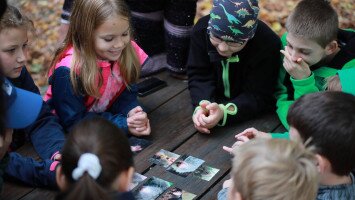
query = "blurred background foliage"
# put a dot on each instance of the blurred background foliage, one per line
(46, 17)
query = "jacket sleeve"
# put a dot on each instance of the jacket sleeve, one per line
(201, 77)
(70, 106)
(258, 89)
(47, 135)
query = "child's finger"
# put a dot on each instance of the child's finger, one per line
(249, 132)
(141, 129)
(243, 138)
(201, 120)
(202, 129)
(195, 119)
(228, 149)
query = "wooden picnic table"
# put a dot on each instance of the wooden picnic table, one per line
(170, 111)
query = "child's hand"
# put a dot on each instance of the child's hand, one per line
(135, 110)
(197, 117)
(227, 183)
(245, 136)
(215, 114)
(138, 122)
(5, 142)
(141, 131)
(297, 68)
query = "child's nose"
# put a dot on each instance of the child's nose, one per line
(294, 55)
(223, 46)
(21, 56)
(119, 43)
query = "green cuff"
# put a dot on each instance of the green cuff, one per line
(285, 135)
(199, 107)
(226, 112)
(307, 81)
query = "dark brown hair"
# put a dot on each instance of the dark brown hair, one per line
(328, 118)
(102, 138)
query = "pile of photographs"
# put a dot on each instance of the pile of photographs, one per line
(158, 189)
(183, 165)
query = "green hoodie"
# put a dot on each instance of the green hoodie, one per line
(313, 83)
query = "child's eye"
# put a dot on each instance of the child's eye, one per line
(10, 50)
(25, 45)
(306, 53)
(108, 39)
(289, 46)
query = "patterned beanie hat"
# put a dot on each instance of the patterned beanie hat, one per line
(233, 20)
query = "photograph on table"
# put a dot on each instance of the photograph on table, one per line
(136, 179)
(151, 189)
(164, 158)
(205, 172)
(185, 165)
(138, 144)
(174, 193)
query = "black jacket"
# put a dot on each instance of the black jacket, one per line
(252, 80)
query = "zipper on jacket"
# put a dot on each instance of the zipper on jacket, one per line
(225, 74)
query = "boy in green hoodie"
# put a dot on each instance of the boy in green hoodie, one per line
(315, 49)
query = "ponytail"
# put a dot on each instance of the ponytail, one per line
(86, 188)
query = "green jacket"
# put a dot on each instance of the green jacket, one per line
(288, 89)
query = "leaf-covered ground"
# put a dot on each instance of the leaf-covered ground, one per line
(46, 17)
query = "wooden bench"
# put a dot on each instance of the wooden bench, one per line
(170, 112)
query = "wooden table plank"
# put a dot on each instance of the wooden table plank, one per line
(171, 126)
(154, 100)
(209, 148)
(41, 193)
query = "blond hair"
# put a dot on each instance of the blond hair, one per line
(274, 169)
(88, 15)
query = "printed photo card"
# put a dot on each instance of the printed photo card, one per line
(137, 178)
(164, 158)
(138, 144)
(174, 193)
(185, 165)
(205, 172)
(151, 189)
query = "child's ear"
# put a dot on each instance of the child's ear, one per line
(124, 180)
(60, 178)
(323, 164)
(331, 48)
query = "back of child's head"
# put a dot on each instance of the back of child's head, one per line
(96, 138)
(274, 169)
(328, 120)
(13, 18)
(86, 17)
(314, 19)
